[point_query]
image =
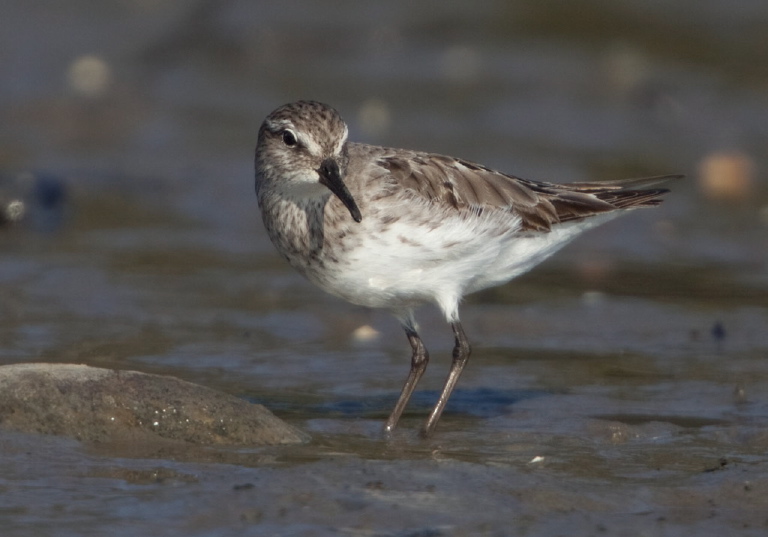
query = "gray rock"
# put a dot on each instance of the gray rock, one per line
(104, 405)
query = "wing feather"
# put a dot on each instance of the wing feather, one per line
(463, 186)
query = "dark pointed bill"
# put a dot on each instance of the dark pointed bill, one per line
(330, 177)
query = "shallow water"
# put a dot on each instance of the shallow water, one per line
(619, 388)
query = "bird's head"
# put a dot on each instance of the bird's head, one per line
(302, 152)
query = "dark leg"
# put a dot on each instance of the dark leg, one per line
(461, 352)
(419, 361)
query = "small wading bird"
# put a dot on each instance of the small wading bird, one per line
(395, 229)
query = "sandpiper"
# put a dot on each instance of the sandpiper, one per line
(395, 229)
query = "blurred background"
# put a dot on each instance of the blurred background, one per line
(127, 130)
(130, 235)
(130, 229)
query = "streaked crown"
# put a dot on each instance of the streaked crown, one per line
(296, 138)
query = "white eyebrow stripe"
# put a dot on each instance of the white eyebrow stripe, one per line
(342, 141)
(308, 142)
(276, 124)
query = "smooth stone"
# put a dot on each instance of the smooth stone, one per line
(105, 405)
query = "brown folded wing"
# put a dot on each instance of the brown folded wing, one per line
(466, 186)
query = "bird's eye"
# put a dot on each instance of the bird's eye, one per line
(289, 138)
